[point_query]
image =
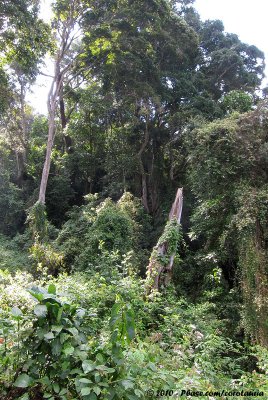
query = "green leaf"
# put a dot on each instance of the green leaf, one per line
(73, 331)
(88, 366)
(23, 381)
(57, 328)
(52, 289)
(115, 315)
(25, 396)
(100, 357)
(127, 384)
(97, 390)
(40, 311)
(45, 380)
(37, 293)
(68, 350)
(49, 336)
(64, 336)
(131, 396)
(16, 312)
(130, 324)
(56, 387)
(76, 371)
(110, 370)
(97, 377)
(86, 391)
(40, 332)
(56, 347)
(85, 380)
(138, 392)
(59, 314)
(103, 384)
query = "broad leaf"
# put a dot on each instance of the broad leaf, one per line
(56, 387)
(52, 289)
(49, 336)
(23, 381)
(68, 350)
(130, 324)
(37, 293)
(85, 380)
(97, 390)
(88, 366)
(40, 311)
(16, 312)
(127, 384)
(86, 391)
(115, 315)
(56, 347)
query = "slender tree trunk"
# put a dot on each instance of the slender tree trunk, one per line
(20, 161)
(46, 168)
(159, 268)
(64, 121)
(21, 153)
(62, 112)
(144, 195)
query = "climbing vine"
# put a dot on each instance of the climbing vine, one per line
(161, 260)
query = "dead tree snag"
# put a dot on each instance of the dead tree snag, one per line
(160, 267)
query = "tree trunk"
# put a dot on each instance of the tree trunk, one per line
(64, 121)
(62, 112)
(144, 195)
(20, 162)
(159, 270)
(23, 131)
(46, 168)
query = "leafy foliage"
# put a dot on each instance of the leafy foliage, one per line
(231, 188)
(88, 352)
(106, 228)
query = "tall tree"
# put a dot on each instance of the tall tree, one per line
(65, 25)
(24, 40)
(138, 50)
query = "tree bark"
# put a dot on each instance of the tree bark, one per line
(22, 131)
(46, 168)
(52, 102)
(158, 270)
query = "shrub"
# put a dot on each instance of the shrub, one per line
(96, 231)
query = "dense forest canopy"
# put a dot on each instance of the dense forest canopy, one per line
(110, 288)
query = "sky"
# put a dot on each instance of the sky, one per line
(246, 18)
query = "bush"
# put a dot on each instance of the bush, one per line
(12, 257)
(96, 231)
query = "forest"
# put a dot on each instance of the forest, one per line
(134, 213)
